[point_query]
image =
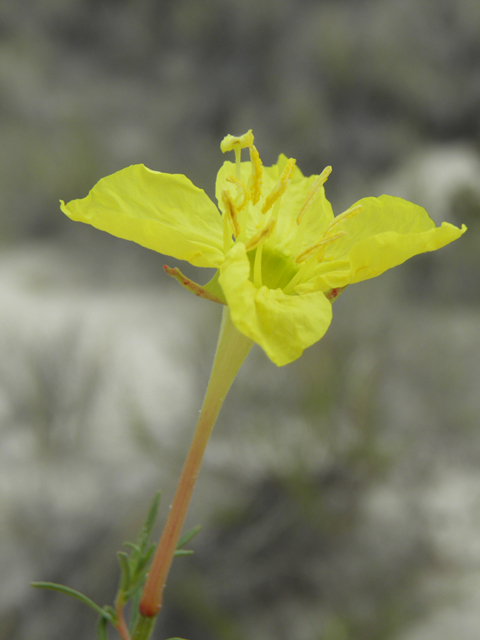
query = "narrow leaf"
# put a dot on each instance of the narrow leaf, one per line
(188, 536)
(102, 629)
(141, 564)
(135, 589)
(149, 522)
(132, 546)
(134, 609)
(125, 578)
(111, 613)
(74, 594)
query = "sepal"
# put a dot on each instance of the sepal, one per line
(211, 291)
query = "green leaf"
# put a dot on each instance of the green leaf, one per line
(141, 563)
(73, 594)
(102, 629)
(183, 552)
(144, 536)
(188, 536)
(134, 588)
(132, 546)
(134, 609)
(125, 578)
(110, 611)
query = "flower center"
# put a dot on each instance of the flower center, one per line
(270, 266)
(277, 270)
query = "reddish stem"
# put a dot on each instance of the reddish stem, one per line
(121, 625)
(232, 349)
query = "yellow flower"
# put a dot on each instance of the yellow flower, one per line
(281, 255)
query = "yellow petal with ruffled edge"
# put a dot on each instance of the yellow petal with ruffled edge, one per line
(283, 325)
(387, 232)
(300, 257)
(160, 211)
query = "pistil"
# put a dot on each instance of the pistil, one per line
(236, 144)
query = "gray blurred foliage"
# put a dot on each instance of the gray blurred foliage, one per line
(339, 495)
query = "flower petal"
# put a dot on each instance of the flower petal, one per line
(317, 217)
(387, 232)
(161, 211)
(283, 325)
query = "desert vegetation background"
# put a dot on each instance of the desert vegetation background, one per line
(340, 495)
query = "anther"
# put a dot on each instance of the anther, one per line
(349, 213)
(231, 212)
(261, 236)
(243, 189)
(314, 189)
(318, 247)
(256, 188)
(281, 186)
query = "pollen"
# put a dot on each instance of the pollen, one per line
(281, 186)
(314, 189)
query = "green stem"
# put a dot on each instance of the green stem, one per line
(232, 350)
(143, 628)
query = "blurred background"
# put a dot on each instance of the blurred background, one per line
(340, 495)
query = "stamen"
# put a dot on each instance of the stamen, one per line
(231, 213)
(243, 189)
(261, 236)
(257, 266)
(307, 262)
(349, 213)
(256, 188)
(227, 233)
(229, 143)
(301, 275)
(314, 189)
(281, 186)
(308, 253)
